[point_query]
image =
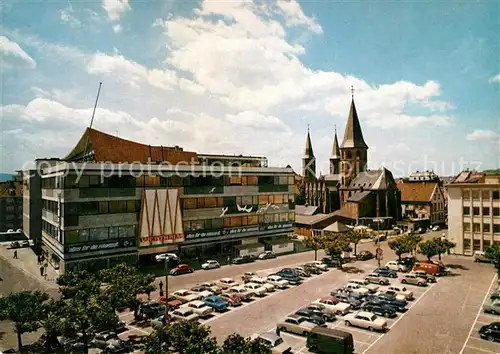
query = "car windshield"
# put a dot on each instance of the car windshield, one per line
(373, 318)
(278, 342)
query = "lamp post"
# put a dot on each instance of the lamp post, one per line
(378, 250)
(166, 318)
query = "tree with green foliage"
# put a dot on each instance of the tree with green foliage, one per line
(236, 344)
(443, 246)
(355, 236)
(413, 240)
(400, 245)
(335, 244)
(123, 285)
(25, 309)
(54, 322)
(429, 249)
(315, 243)
(493, 253)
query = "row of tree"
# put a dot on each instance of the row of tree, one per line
(429, 248)
(89, 303)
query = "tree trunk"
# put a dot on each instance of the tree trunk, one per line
(85, 341)
(315, 255)
(399, 257)
(429, 258)
(19, 342)
(439, 256)
(355, 249)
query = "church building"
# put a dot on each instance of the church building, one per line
(350, 190)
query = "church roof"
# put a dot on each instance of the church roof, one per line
(335, 148)
(336, 227)
(309, 148)
(373, 180)
(358, 196)
(305, 209)
(353, 136)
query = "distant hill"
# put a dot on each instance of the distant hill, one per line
(6, 177)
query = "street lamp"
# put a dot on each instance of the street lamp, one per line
(166, 319)
(378, 250)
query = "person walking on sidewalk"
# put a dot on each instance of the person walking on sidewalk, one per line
(15, 254)
(41, 270)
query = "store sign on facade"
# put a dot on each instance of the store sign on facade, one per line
(161, 220)
(100, 246)
(239, 230)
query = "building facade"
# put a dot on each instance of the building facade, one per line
(98, 214)
(11, 205)
(474, 211)
(423, 202)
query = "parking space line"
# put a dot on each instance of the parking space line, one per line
(479, 349)
(400, 317)
(138, 329)
(479, 312)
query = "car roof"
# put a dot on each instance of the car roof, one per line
(331, 332)
(365, 313)
(270, 336)
(184, 309)
(181, 291)
(197, 302)
(227, 279)
(295, 317)
(328, 298)
(213, 297)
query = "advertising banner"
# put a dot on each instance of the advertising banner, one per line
(161, 220)
(110, 244)
(239, 230)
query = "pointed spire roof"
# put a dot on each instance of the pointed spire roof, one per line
(335, 149)
(353, 137)
(309, 148)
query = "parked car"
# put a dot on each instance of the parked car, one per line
(386, 272)
(171, 301)
(379, 309)
(296, 324)
(347, 298)
(321, 311)
(429, 277)
(329, 340)
(263, 282)
(364, 256)
(400, 290)
(226, 283)
(492, 306)
(290, 275)
(277, 281)
(366, 320)
(274, 342)
(216, 303)
(244, 259)
(15, 244)
(365, 284)
(210, 264)
(181, 269)
(266, 255)
(24, 243)
(390, 294)
(330, 262)
(333, 304)
(184, 314)
(480, 256)
(199, 308)
(233, 300)
(157, 322)
(109, 342)
(414, 280)
(377, 279)
(186, 295)
(151, 309)
(398, 267)
(303, 272)
(244, 293)
(166, 256)
(490, 332)
(436, 269)
(310, 316)
(319, 265)
(211, 286)
(257, 289)
(311, 268)
(205, 293)
(247, 276)
(398, 305)
(356, 288)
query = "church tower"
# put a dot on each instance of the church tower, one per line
(309, 161)
(335, 157)
(353, 150)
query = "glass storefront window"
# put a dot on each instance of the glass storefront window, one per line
(291, 216)
(83, 235)
(71, 237)
(291, 180)
(283, 217)
(99, 234)
(113, 232)
(246, 200)
(283, 180)
(126, 231)
(217, 223)
(131, 206)
(70, 181)
(276, 217)
(103, 208)
(197, 224)
(268, 218)
(187, 225)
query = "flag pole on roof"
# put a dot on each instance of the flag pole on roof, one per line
(91, 121)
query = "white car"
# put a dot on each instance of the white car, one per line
(244, 293)
(257, 289)
(199, 308)
(365, 319)
(390, 292)
(210, 264)
(394, 265)
(319, 265)
(166, 256)
(358, 289)
(263, 282)
(337, 308)
(277, 281)
(365, 284)
(205, 293)
(400, 290)
(211, 286)
(186, 295)
(183, 314)
(226, 283)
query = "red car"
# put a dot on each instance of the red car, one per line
(181, 269)
(171, 302)
(329, 300)
(231, 299)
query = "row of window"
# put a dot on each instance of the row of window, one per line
(237, 221)
(50, 229)
(220, 202)
(104, 207)
(11, 201)
(477, 211)
(477, 194)
(99, 234)
(50, 205)
(93, 181)
(476, 227)
(477, 244)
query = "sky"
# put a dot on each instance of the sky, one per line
(244, 77)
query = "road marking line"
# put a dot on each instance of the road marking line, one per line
(479, 312)
(481, 350)
(138, 329)
(399, 318)
(482, 322)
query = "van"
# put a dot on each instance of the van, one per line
(429, 268)
(330, 341)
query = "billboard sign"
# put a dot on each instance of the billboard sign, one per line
(161, 219)
(91, 247)
(238, 230)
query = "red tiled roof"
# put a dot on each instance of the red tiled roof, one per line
(416, 192)
(115, 150)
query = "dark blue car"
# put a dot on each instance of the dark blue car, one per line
(290, 275)
(311, 316)
(379, 309)
(216, 303)
(398, 305)
(348, 299)
(386, 272)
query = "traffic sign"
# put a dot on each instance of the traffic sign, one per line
(380, 251)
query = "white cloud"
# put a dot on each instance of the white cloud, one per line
(495, 78)
(115, 8)
(117, 28)
(66, 16)
(294, 16)
(481, 134)
(256, 120)
(13, 55)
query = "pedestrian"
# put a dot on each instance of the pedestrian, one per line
(228, 261)
(41, 270)
(15, 254)
(149, 294)
(161, 288)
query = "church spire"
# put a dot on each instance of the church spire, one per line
(353, 136)
(335, 149)
(309, 148)
(309, 161)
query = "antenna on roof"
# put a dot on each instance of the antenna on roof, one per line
(91, 121)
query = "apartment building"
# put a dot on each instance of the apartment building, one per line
(96, 214)
(11, 205)
(474, 211)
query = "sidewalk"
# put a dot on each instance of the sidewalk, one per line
(27, 262)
